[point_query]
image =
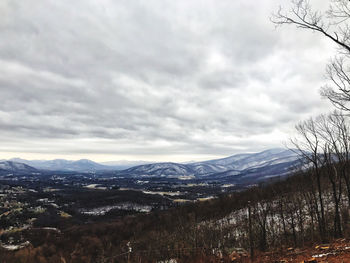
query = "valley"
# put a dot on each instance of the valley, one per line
(33, 198)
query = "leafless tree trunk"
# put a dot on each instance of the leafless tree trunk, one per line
(335, 156)
(307, 145)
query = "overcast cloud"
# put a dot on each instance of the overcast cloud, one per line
(154, 80)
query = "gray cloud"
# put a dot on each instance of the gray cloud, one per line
(164, 80)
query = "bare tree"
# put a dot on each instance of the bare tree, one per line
(308, 145)
(342, 131)
(333, 162)
(332, 24)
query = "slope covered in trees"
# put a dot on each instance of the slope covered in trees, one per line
(283, 214)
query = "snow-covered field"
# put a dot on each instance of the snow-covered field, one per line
(122, 206)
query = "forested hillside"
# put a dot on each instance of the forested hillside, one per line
(283, 214)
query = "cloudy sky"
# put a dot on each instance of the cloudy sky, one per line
(152, 80)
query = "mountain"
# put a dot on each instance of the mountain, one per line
(159, 169)
(245, 161)
(123, 164)
(83, 165)
(269, 163)
(15, 167)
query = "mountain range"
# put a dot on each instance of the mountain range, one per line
(62, 165)
(269, 163)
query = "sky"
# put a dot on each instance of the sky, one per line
(155, 80)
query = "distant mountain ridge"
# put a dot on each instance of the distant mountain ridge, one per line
(82, 165)
(124, 164)
(16, 167)
(271, 162)
(245, 161)
(277, 161)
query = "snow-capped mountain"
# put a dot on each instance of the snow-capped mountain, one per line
(207, 168)
(272, 162)
(15, 167)
(83, 165)
(245, 161)
(159, 169)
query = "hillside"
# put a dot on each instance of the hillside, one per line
(284, 227)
